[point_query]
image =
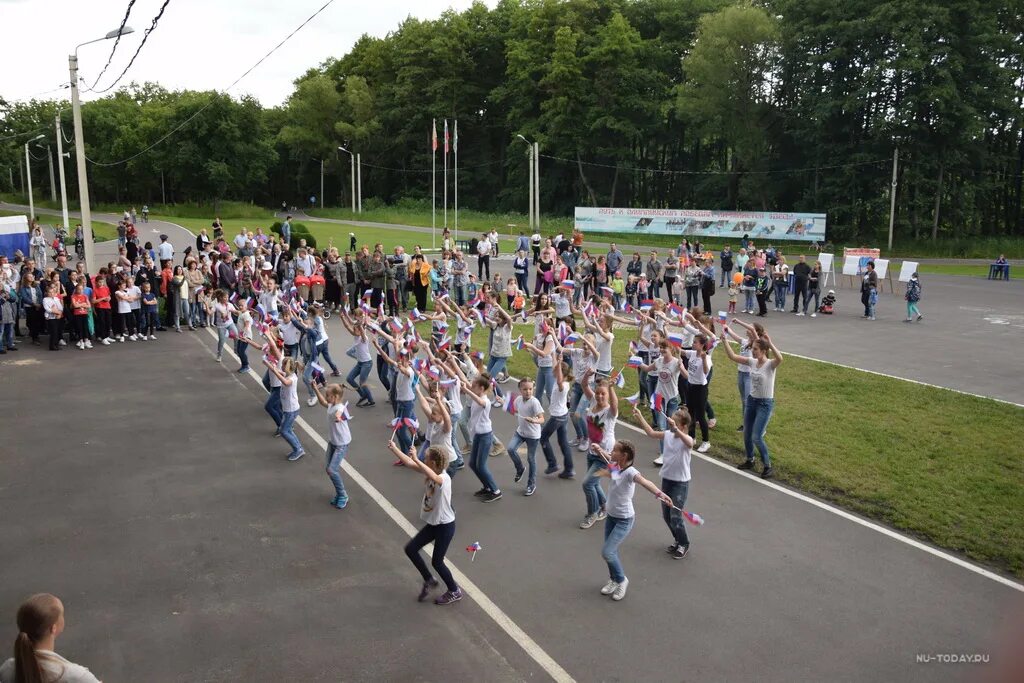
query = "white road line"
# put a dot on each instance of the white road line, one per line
(514, 631)
(840, 512)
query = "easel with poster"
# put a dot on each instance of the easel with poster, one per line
(855, 263)
(884, 274)
(827, 269)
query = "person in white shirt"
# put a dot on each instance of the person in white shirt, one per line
(492, 237)
(483, 259)
(621, 515)
(675, 474)
(439, 515)
(165, 251)
(339, 438)
(761, 401)
(558, 419)
(40, 621)
(529, 418)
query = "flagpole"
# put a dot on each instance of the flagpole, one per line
(433, 186)
(455, 148)
(445, 180)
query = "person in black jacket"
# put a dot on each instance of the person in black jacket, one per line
(762, 285)
(725, 264)
(801, 275)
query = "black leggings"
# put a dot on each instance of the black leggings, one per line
(102, 323)
(81, 326)
(128, 321)
(441, 535)
(696, 403)
(54, 327)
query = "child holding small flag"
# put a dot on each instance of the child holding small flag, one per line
(439, 515)
(360, 352)
(558, 417)
(621, 515)
(666, 369)
(543, 350)
(675, 474)
(439, 426)
(529, 415)
(600, 420)
(288, 376)
(698, 365)
(405, 395)
(220, 311)
(339, 436)
(482, 431)
(244, 334)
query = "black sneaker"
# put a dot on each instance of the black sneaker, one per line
(566, 474)
(482, 493)
(530, 490)
(672, 548)
(768, 472)
(519, 475)
(740, 428)
(680, 552)
(449, 597)
(492, 496)
(746, 465)
(427, 587)
(551, 469)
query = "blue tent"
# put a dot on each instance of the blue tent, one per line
(13, 235)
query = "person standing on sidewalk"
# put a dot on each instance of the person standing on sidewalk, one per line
(675, 474)
(761, 401)
(725, 262)
(483, 259)
(801, 275)
(912, 296)
(869, 291)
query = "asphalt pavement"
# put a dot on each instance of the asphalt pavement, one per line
(186, 547)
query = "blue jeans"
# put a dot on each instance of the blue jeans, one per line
(677, 491)
(273, 406)
(755, 422)
(241, 349)
(545, 383)
(222, 337)
(531, 456)
(360, 370)
(335, 454)
(405, 409)
(578, 403)
(325, 353)
(743, 385)
(592, 483)
(198, 315)
(556, 425)
(671, 406)
(288, 433)
(750, 299)
(726, 277)
(781, 288)
(615, 531)
(7, 336)
(183, 313)
(478, 460)
(494, 366)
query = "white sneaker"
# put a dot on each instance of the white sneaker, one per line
(659, 461)
(105, 342)
(63, 343)
(121, 339)
(88, 344)
(312, 401)
(583, 446)
(704, 447)
(496, 403)
(134, 337)
(814, 315)
(620, 590)
(573, 441)
(109, 340)
(80, 345)
(801, 313)
(609, 588)
(588, 521)
(152, 337)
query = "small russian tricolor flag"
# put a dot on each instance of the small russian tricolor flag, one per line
(674, 339)
(607, 291)
(479, 355)
(509, 403)
(620, 380)
(646, 305)
(676, 310)
(634, 362)
(519, 343)
(634, 399)
(444, 343)
(571, 339)
(568, 284)
(657, 403)
(343, 414)
(723, 317)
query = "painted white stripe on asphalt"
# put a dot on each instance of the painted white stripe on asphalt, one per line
(536, 652)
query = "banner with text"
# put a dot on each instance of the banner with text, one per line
(759, 226)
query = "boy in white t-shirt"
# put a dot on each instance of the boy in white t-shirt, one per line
(529, 419)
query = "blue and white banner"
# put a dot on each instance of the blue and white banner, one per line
(757, 225)
(13, 235)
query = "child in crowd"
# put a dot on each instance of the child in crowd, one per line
(630, 291)
(289, 378)
(339, 438)
(529, 418)
(675, 474)
(734, 292)
(244, 324)
(80, 308)
(150, 312)
(912, 296)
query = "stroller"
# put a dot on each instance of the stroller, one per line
(60, 238)
(317, 284)
(828, 302)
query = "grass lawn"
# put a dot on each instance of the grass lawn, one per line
(901, 453)
(953, 269)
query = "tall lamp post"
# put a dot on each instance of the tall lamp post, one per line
(60, 165)
(352, 158)
(28, 169)
(532, 155)
(76, 110)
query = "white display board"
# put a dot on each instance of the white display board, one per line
(881, 267)
(851, 264)
(826, 262)
(907, 269)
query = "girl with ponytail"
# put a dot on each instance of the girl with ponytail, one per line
(40, 620)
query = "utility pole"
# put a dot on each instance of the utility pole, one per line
(21, 174)
(322, 199)
(49, 162)
(892, 194)
(359, 180)
(536, 179)
(83, 178)
(60, 166)
(529, 156)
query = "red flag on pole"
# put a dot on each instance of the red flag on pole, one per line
(446, 136)
(433, 138)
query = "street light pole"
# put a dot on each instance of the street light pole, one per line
(28, 169)
(536, 181)
(83, 179)
(322, 200)
(359, 179)
(49, 162)
(60, 167)
(529, 158)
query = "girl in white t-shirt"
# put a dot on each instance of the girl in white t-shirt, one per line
(363, 356)
(438, 431)
(675, 473)
(600, 418)
(529, 418)
(558, 419)
(244, 334)
(339, 436)
(761, 401)
(617, 525)
(288, 375)
(476, 395)
(439, 515)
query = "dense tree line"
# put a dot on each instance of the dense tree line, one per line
(785, 105)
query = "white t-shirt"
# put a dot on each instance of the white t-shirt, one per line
(548, 360)
(245, 324)
(745, 352)
(525, 409)
(620, 494)
(52, 665)
(676, 456)
(221, 315)
(762, 379)
(480, 417)
(136, 297)
(668, 376)
(290, 395)
(454, 396)
(274, 381)
(695, 368)
(321, 328)
(601, 428)
(561, 302)
(403, 386)
(483, 247)
(437, 502)
(362, 349)
(582, 361)
(559, 399)
(341, 435)
(688, 333)
(290, 334)
(123, 305)
(439, 437)
(604, 352)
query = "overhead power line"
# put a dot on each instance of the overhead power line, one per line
(635, 169)
(210, 103)
(116, 42)
(145, 37)
(25, 134)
